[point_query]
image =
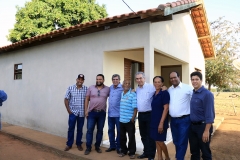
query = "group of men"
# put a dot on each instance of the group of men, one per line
(191, 111)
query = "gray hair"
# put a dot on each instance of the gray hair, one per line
(143, 75)
(116, 75)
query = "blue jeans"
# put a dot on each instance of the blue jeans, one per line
(112, 121)
(71, 127)
(180, 133)
(93, 119)
(196, 143)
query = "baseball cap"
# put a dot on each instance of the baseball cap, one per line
(81, 76)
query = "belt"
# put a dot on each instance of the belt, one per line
(98, 110)
(145, 112)
(181, 116)
(198, 123)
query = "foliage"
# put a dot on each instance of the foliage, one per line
(43, 16)
(220, 72)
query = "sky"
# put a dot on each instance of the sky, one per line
(214, 8)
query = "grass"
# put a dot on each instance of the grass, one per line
(224, 103)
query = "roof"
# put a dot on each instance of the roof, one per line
(162, 13)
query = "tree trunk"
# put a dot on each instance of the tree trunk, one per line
(209, 87)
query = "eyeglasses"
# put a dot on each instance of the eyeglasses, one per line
(98, 93)
(115, 79)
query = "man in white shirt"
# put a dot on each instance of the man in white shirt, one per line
(145, 93)
(179, 110)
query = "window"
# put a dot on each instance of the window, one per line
(18, 71)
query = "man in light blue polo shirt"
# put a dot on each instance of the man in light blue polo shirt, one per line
(145, 93)
(128, 112)
(114, 113)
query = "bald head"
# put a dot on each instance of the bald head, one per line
(126, 85)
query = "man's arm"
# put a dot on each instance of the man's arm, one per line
(134, 115)
(86, 105)
(66, 102)
(205, 136)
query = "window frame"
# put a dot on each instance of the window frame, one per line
(17, 72)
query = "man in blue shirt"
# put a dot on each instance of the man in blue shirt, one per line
(3, 97)
(74, 103)
(202, 116)
(114, 113)
(128, 112)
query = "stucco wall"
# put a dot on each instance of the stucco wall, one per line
(36, 101)
(177, 39)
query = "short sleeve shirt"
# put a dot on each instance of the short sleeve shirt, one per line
(76, 97)
(98, 98)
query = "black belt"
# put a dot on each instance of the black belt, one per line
(182, 116)
(98, 110)
(145, 112)
(198, 123)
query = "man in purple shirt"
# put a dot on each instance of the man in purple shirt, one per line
(202, 116)
(114, 113)
(95, 112)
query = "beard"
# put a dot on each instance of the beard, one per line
(99, 83)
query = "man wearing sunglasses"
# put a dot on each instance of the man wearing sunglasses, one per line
(95, 112)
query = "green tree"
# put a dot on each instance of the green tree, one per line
(220, 72)
(43, 16)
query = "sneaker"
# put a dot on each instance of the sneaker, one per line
(87, 151)
(122, 155)
(132, 156)
(98, 150)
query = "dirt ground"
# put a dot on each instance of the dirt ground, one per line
(15, 149)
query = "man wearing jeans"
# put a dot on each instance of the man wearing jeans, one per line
(145, 93)
(95, 112)
(74, 103)
(202, 116)
(114, 113)
(179, 110)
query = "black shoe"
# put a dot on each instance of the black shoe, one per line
(142, 156)
(87, 151)
(118, 151)
(110, 149)
(98, 150)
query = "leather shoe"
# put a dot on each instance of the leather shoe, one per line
(98, 150)
(142, 156)
(110, 149)
(67, 148)
(87, 151)
(80, 147)
(118, 151)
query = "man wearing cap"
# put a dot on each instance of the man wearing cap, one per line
(3, 97)
(74, 103)
(95, 112)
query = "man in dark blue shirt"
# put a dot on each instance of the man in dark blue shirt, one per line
(202, 116)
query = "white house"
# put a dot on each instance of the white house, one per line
(36, 72)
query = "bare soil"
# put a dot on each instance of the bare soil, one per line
(15, 149)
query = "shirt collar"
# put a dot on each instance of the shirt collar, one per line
(179, 85)
(143, 85)
(199, 90)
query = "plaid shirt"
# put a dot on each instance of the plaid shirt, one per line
(76, 99)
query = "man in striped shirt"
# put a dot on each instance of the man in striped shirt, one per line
(128, 112)
(74, 103)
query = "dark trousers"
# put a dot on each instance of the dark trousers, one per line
(144, 120)
(196, 143)
(112, 122)
(180, 134)
(128, 128)
(93, 119)
(71, 127)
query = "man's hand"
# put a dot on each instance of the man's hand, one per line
(133, 120)
(160, 128)
(69, 112)
(205, 137)
(86, 114)
(164, 88)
